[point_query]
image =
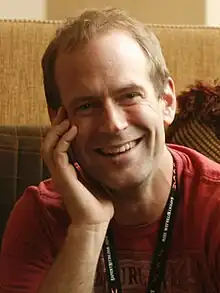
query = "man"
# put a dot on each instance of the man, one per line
(123, 212)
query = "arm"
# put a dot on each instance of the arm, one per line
(75, 267)
(89, 208)
(27, 254)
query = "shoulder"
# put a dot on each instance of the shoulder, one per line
(200, 191)
(38, 214)
(199, 180)
(34, 234)
(42, 201)
(195, 165)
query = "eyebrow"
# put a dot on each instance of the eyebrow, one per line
(80, 99)
(128, 87)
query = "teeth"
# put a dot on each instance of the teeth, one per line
(118, 150)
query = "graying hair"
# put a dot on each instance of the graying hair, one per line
(80, 30)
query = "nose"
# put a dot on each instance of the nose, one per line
(113, 119)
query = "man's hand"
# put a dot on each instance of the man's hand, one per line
(86, 203)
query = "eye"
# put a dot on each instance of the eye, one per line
(85, 107)
(131, 98)
(132, 95)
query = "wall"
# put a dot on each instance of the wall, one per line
(212, 12)
(33, 9)
(150, 11)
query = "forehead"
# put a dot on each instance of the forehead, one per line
(109, 61)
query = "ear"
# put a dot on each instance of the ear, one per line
(169, 103)
(52, 114)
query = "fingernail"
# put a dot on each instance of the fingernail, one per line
(59, 110)
(74, 127)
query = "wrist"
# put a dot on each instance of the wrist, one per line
(87, 230)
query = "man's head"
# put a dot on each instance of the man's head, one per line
(78, 31)
(109, 73)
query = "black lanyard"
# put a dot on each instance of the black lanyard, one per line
(158, 265)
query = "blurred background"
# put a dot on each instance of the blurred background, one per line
(190, 12)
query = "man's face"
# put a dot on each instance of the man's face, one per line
(106, 90)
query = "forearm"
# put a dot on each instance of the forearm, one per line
(75, 268)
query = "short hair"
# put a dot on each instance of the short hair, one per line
(78, 31)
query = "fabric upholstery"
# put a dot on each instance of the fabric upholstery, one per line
(20, 165)
(191, 53)
(197, 122)
(198, 136)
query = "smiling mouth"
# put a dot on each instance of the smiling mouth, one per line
(117, 150)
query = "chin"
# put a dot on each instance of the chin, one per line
(128, 172)
(119, 181)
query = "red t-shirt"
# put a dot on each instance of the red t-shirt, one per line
(38, 225)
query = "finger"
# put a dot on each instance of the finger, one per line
(93, 185)
(61, 115)
(50, 142)
(60, 152)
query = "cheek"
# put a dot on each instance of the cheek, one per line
(83, 138)
(145, 114)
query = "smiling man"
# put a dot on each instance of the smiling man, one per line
(122, 210)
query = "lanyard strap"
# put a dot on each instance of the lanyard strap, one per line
(158, 265)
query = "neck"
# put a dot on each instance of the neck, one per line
(145, 204)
